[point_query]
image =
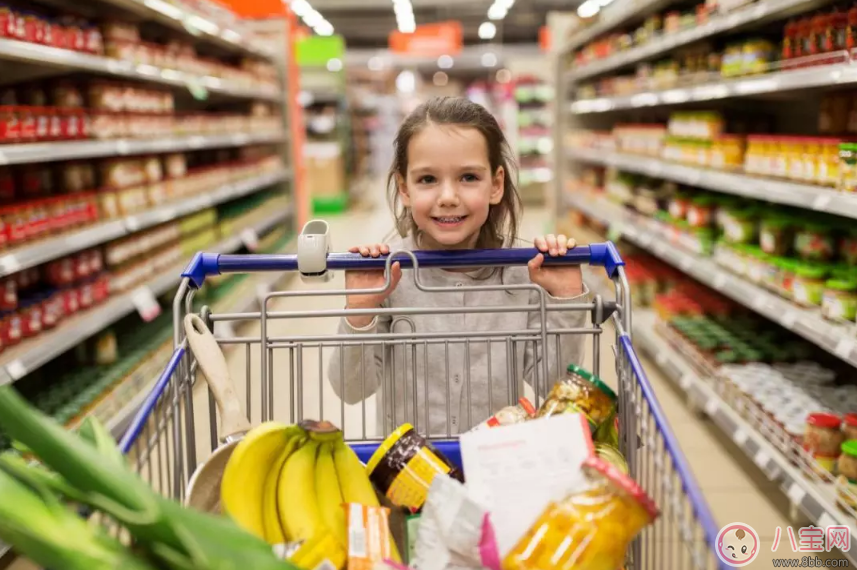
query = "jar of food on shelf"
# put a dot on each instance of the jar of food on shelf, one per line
(828, 165)
(849, 426)
(752, 156)
(839, 301)
(775, 234)
(602, 519)
(780, 153)
(678, 205)
(847, 167)
(822, 441)
(796, 152)
(700, 211)
(848, 246)
(815, 242)
(808, 284)
(739, 224)
(812, 156)
(846, 483)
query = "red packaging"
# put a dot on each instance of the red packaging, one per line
(7, 185)
(70, 300)
(59, 36)
(42, 119)
(10, 124)
(96, 261)
(11, 329)
(72, 124)
(55, 130)
(32, 30)
(51, 310)
(61, 272)
(85, 293)
(16, 226)
(27, 119)
(101, 289)
(31, 319)
(8, 295)
(7, 22)
(93, 42)
(81, 266)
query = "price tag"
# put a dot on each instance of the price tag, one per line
(187, 22)
(122, 147)
(844, 348)
(788, 320)
(196, 88)
(740, 437)
(711, 407)
(250, 239)
(761, 459)
(9, 264)
(719, 281)
(796, 493)
(3, 159)
(686, 263)
(759, 302)
(146, 304)
(821, 201)
(240, 139)
(685, 381)
(132, 223)
(16, 369)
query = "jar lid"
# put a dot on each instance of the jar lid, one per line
(850, 447)
(824, 420)
(386, 446)
(850, 420)
(841, 284)
(623, 482)
(811, 271)
(528, 406)
(590, 377)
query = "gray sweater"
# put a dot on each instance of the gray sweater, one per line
(473, 372)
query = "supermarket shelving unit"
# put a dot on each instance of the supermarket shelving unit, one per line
(816, 500)
(219, 36)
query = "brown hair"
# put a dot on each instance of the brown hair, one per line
(501, 227)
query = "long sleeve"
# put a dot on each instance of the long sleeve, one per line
(355, 372)
(571, 346)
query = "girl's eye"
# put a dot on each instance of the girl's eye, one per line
(427, 179)
(470, 178)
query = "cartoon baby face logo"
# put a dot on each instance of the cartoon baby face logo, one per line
(737, 544)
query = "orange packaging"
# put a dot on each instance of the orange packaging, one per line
(369, 536)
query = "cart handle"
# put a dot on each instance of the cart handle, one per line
(600, 254)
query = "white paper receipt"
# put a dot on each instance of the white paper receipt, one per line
(518, 469)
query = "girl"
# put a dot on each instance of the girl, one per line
(450, 188)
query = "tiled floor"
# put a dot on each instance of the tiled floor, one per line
(733, 486)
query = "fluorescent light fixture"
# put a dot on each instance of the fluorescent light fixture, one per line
(497, 12)
(489, 59)
(406, 82)
(588, 9)
(408, 28)
(300, 8)
(445, 62)
(334, 64)
(400, 9)
(313, 19)
(487, 31)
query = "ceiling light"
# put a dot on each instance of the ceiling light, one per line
(406, 82)
(440, 79)
(489, 59)
(300, 7)
(497, 12)
(334, 64)
(313, 19)
(487, 30)
(588, 9)
(400, 9)
(445, 62)
(408, 28)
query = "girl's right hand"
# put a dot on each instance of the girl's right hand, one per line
(372, 279)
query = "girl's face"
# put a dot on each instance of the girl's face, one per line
(449, 185)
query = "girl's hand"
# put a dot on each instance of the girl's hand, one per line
(372, 279)
(559, 281)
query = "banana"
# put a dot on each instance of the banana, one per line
(296, 495)
(243, 485)
(329, 494)
(274, 533)
(355, 484)
(313, 553)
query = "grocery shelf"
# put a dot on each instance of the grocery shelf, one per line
(26, 52)
(72, 150)
(808, 196)
(28, 356)
(757, 12)
(196, 26)
(816, 499)
(777, 82)
(65, 244)
(612, 17)
(837, 339)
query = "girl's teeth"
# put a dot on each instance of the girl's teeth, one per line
(450, 220)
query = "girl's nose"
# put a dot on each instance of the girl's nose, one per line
(448, 195)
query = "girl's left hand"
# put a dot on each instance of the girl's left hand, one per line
(559, 281)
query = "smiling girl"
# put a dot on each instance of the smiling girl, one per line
(451, 188)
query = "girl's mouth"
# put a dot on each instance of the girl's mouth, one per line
(449, 221)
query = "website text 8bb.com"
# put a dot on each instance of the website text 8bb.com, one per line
(809, 562)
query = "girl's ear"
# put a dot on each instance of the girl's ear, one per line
(498, 185)
(402, 188)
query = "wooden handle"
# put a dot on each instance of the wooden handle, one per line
(213, 364)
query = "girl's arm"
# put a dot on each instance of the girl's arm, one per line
(571, 346)
(354, 372)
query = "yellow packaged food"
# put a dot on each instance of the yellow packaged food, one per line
(590, 529)
(580, 392)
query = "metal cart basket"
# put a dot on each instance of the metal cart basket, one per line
(288, 376)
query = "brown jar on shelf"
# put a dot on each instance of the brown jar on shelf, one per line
(849, 427)
(822, 440)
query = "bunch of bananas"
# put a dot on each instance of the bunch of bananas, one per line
(289, 483)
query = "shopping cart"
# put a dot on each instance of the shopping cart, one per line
(283, 357)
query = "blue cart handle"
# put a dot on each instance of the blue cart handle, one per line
(600, 254)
